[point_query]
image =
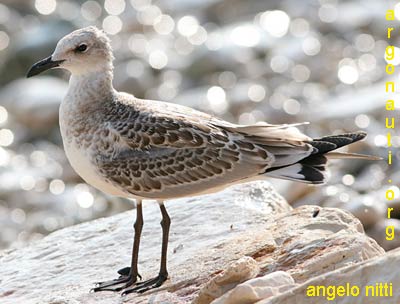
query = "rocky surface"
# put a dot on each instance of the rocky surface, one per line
(245, 240)
(257, 289)
(369, 273)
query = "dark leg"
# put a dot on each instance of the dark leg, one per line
(129, 275)
(163, 274)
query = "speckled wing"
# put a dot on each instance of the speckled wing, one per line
(171, 151)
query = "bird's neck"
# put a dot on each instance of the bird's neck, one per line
(94, 86)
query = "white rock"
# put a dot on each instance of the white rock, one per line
(312, 240)
(367, 208)
(381, 269)
(239, 271)
(208, 233)
(257, 289)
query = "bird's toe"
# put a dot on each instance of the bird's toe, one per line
(147, 285)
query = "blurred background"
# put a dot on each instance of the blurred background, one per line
(246, 61)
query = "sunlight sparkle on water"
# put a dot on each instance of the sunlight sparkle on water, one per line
(164, 24)
(256, 92)
(348, 179)
(114, 7)
(4, 157)
(311, 46)
(112, 25)
(348, 72)
(57, 186)
(45, 7)
(158, 59)
(6, 137)
(217, 99)
(3, 115)
(245, 35)
(188, 26)
(279, 64)
(362, 121)
(327, 13)
(276, 23)
(4, 40)
(91, 10)
(27, 183)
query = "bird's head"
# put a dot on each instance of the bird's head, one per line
(86, 50)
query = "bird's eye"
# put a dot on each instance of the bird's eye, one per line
(81, 48)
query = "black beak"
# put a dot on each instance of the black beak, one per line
(42, 66)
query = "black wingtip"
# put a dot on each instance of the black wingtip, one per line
(361, 134)
(329, 143)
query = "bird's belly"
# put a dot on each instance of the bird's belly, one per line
(80, 162)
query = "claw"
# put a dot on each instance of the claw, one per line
(146, 285)
(109, 285)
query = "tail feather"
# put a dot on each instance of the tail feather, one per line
(341, 155)
(312, 169)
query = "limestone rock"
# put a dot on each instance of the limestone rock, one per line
(377, 270)
(208, 233)
(244, 269)
(257, 289)
(311, 240)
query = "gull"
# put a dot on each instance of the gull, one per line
(146, 149)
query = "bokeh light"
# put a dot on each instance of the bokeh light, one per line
(164, 24)
(6, 137)
(365, 43)
(348, 74)
(245, 35)
(362, 121)
(279, 64)
(299, 27)
(348, 179)
(27, 182)
(114, 7)
(4, 40)
(328, 13)
(149, 14)
(276, 23)
(300, 73)
(217, 99)
(57, 186)
(256, 93)
(291, 106)
(91, 10)
(3, 115)
(45, 7)
(158, 59)
(112, 25)
(188, 25)
(311, 46)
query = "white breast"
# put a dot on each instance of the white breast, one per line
(79, 158)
